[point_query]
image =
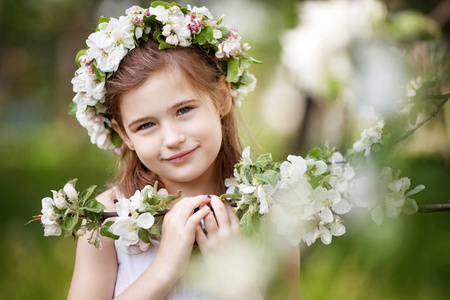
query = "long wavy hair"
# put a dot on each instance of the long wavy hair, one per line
(201, 72)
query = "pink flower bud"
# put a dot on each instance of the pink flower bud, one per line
(147, 13)
(136, 20)
(97, 119)
(70, 191)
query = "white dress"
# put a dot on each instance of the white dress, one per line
(132, 262)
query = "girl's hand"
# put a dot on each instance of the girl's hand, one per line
(222, 227)
(178, 234)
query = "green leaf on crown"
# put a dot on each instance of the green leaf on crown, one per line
(105, 231)
(80, 53)
(116, 140)
(246, 78)
(165, 4)
(150, 21)
(233, 69)
(98, 73)
(100, 21)
(162, 43)
(206, 35)
(73, 107)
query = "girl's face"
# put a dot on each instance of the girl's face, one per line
(175, 134)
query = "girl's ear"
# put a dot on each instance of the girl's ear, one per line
(225, 106)
(122, 134)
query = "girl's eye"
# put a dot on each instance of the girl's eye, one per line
(184, 110)
(146, 125)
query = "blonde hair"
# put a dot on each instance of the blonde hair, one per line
(202, 74)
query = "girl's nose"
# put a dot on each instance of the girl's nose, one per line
(172, 137)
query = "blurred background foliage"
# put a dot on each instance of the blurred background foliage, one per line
(42, 148)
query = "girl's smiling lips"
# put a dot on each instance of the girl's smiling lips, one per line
(181, 156)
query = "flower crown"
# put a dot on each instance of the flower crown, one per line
(170, 25)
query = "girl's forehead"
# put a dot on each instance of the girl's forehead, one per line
(161, 91)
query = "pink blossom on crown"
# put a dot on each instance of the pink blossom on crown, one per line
(232, 46)
(195, 23)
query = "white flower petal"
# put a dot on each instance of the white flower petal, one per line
(415, 190)
(145, 220)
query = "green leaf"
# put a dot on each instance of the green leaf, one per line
(315, 153)
(155, 229)
(251, 59)
(165, 4)
(162, 42)
(205, 35)
(80, 53)
(94, 206)
(225, 32)
(233, 69)
(92, 216)
(87, 193)
(270, 177)
(150, 21)
(143, 235)
(246, 78)
(98, 73)
(116, 140)
(105, 231)
(69, 224)
(246, 224)
(73, 107)
(316, 181)
(73, 181)
(170, 198)
(78, 225)
(100, 21)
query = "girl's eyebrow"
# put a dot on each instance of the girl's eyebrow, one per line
(174, 106)
(182, 103)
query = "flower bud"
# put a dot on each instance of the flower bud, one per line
(80, 231)
(70, 192)
(60, 203)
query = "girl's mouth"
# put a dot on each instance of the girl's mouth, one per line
(181, 157)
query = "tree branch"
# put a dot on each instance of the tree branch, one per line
(434, 208)
(433, 114)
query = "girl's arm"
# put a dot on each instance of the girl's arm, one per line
(94, 275)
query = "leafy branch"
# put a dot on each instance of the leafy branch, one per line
(444, 99)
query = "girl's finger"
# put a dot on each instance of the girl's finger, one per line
(234, 219)
(220, 211)
(200, 235)
(185, 208)
(197, 217)
(210, 223)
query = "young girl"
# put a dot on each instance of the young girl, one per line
(176, 115)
